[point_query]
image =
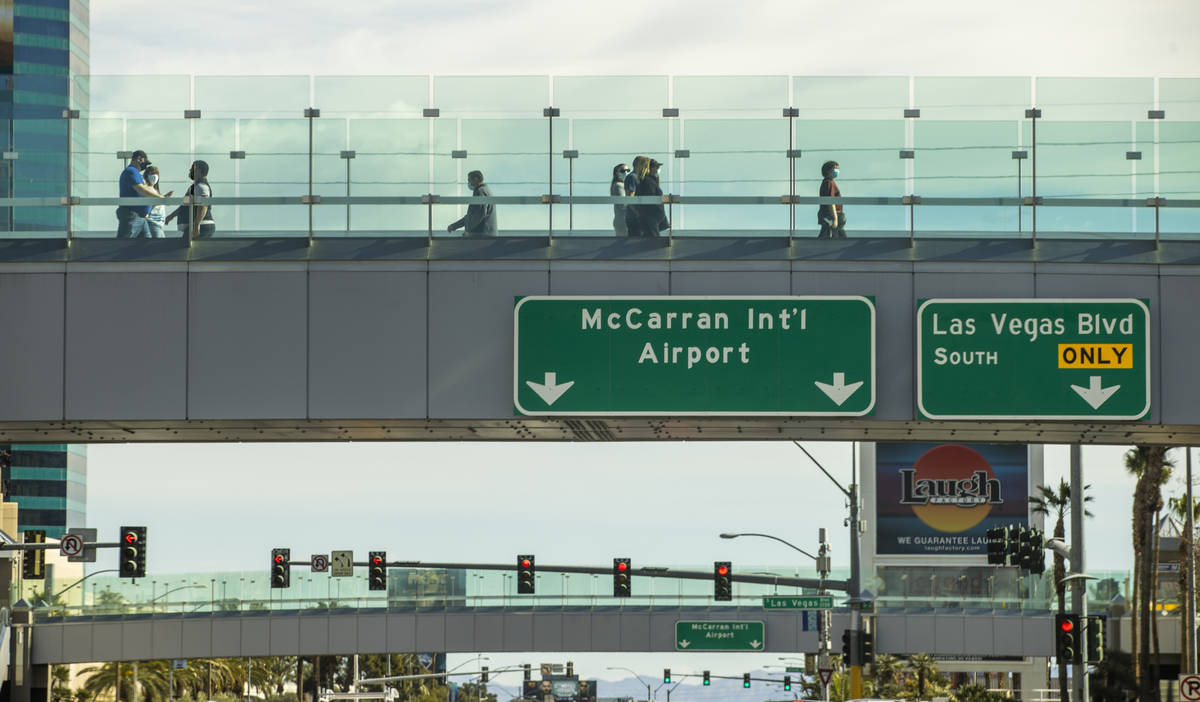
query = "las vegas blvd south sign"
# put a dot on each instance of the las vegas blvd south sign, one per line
(678, 355)
(1033, 359)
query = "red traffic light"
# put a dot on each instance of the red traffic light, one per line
(722, 570)
(377, 560)
(525, 563)
(279, 558)
(1066, 625)
(130, 537)
(622, 566)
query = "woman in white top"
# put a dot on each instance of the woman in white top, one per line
(617, 189)
(158, 213)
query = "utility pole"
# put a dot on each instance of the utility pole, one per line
(1079, 676)
(856, 627)
(825, 615)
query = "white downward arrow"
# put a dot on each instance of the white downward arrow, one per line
(839, 392)
(1093, 394)
(685, 643)
(550, 390)
(755, 643)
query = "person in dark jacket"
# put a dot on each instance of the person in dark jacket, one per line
(830, 217)
(652, 218)
(480, 220)
(640, 163)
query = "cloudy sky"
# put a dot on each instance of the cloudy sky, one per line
(224, 506)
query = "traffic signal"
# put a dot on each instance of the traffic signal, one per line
(622, 587)
(377, 570)
(866, 647)
(570, 669)
(722, 581)
(666, 676)
(527, 673)
(133, 552)
(707, 678)
(1066, 633)
(846, 647)
(745, 679)
(1037, 564)
(281, 570)
(1013, 545)
(1095, 639)
(997, 545)
(33, 563)
(787, 683)
(525, 575)
(483, 674)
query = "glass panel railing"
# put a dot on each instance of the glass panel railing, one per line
(904, 589)
(379, 96)
(970, 159)
(963, 147)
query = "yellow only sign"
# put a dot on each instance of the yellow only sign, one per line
(1095, 355)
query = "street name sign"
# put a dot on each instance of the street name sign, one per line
(798, 602)
(1033, 359)
(719, 636)
(680, 355)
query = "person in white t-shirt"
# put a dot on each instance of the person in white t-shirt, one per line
(158, 213)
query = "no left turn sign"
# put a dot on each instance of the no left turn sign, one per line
(71, 545)
(1189, 688)
(320, 563)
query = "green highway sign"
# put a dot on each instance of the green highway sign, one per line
(1033, 359)
(798, 602)
(803, 356)
(794, 669)
(719, 636)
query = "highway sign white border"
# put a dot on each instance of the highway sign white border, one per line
(1143, 414)
(665, 413)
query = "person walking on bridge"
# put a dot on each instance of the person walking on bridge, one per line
(131, 219)
(831, 217)
(480, 220)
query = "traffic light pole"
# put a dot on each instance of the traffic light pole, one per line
(1079, 676)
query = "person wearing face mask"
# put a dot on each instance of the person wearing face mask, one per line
(632, 178)
(131, 219)
(831, 217)
(158, 213)
(480, 220)
(653, 218)
(617, 189)
(195, 219)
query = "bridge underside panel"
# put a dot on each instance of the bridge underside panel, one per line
(423, 350)
(509, 631)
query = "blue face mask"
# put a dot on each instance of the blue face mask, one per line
(835, 173)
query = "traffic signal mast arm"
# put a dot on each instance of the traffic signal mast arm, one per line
(55, 546)
(840, 585)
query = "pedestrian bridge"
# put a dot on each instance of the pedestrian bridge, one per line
(332, 304)
(238, 614)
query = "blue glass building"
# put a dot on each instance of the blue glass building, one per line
(49, 484)
(43, 73)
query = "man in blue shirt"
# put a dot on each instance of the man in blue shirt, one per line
(131, 219)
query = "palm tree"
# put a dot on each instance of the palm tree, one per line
(1178, 508)
(887, 671)
(924, 666)
(1152, 468)
(1058, 502)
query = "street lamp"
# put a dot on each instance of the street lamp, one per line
(728, 535)
(648, 694)
(823, 571)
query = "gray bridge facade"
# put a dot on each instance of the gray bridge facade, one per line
(232, 340)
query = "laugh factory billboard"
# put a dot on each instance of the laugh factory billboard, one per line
(940, 499)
